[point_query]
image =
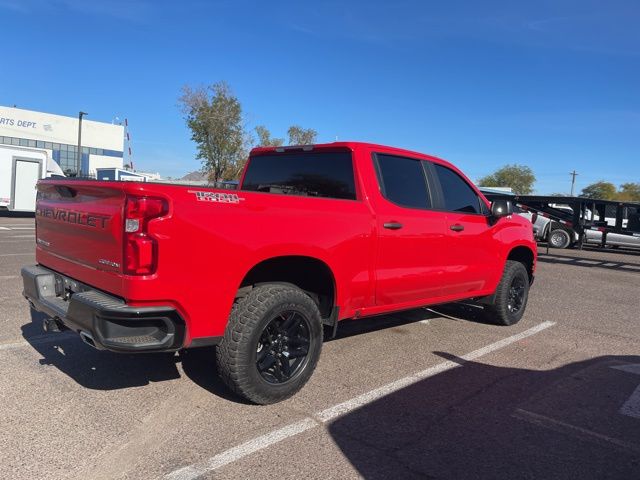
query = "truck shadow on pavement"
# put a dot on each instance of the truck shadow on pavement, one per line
(394, 322)
(103, 370)
(480, 421)
(99, 370)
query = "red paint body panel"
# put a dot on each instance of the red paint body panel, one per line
(205, 248)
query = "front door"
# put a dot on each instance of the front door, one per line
(471, 254)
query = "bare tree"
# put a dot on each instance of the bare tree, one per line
(214, 116)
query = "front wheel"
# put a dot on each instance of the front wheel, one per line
(511, 295)
(272, 343)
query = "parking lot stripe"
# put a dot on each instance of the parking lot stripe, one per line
(256, 444)
(243, 450)
(15, 254)
(563, 427)
(368, 397)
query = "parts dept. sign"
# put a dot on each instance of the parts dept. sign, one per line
(18, 122)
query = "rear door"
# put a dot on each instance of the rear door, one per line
(471, 255)
(409, 265)
(26, 173)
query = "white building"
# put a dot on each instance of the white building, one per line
(35, 145)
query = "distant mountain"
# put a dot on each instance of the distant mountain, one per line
(196, 176)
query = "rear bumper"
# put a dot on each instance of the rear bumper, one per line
(104, 321)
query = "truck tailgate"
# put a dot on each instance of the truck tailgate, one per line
(81, 223)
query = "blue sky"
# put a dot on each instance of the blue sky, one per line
(554, 85)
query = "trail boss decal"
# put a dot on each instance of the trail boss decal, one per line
(216, 197)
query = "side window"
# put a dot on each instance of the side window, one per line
(403, 181)
(458, 195)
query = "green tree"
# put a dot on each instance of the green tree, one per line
(601, 190)
(301, 136)
(519, 177)
(265, 139)
(629, 192)
(214, 116)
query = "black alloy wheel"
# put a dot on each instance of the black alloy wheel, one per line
(516, 294)
(272, 343)
(283, 347)
(510, 298)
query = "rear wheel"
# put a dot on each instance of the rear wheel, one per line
(511, 295)
(559, 238)
(272, 343)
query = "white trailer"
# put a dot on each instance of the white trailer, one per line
(20, 170)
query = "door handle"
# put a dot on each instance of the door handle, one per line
(392, 225)
(457, 227)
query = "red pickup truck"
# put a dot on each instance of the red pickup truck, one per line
(312, 236)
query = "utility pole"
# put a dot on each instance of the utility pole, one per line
(573, 174)
(79, 152)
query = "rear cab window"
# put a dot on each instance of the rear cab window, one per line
(303, 173)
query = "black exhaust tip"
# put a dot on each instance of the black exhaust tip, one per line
(88, 339)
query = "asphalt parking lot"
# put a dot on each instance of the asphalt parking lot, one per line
(422, 394)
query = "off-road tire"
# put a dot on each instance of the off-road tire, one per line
(237, 355)
(501, 311)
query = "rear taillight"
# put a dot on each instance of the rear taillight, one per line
(140, 248)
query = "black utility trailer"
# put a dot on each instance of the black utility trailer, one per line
(583, 214)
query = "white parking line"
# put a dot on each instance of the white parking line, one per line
(263, 441)
(243, 450)
(579, 432)
(632, 406)
(16, 254)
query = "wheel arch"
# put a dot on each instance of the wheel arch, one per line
(525, 256)
(308, 273)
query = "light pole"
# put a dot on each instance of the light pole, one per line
(79, 152)
(573, 180)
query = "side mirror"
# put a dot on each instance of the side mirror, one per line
(501, 208)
